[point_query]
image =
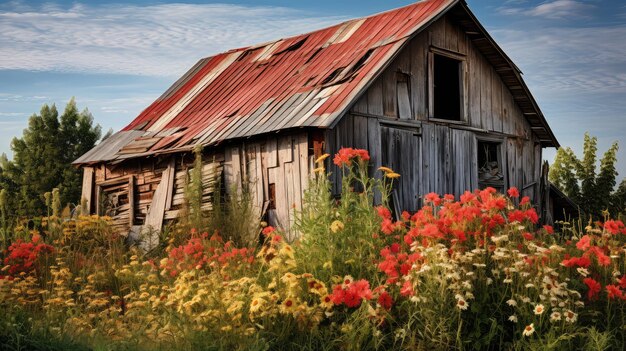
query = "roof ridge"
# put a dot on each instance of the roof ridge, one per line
(270, 42)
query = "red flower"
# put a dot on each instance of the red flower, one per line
(432, 198)
(614, 227)
(395, 248)
(268, 230)
(577, 262)
(622, 282)
(532, 216)
(594, 287)
(431, 231)
(516, 216)
(513, 192)
(549, 229)
(351, 299)
(351, 293)
(387, 226)
(614, 291)
(525, 200)
(407, 289)
(385, 300)
(345, 155)
(383, 212)
(584, 243)
(467, 197)
(603, 260)
(23, 256)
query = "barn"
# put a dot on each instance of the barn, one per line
(424, 88)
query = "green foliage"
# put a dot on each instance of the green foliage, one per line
(3, 220)
(619, 198)
(43, 156)
(578, 179)
(335, 227)
(232, 214)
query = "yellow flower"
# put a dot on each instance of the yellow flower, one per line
(319, 170)
(336, 226)
(286, 250)
(385, 169)
(288, 306)
(256, 304)
(326, 302)
(392, 175)
(322, 158)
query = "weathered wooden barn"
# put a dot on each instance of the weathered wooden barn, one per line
(424, 88)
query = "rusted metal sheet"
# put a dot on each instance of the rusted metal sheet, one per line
(308, 80)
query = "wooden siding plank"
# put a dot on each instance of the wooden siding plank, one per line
(404, 99)
(154, 218)
(417, 50)
(374, 147)
(475, 112)
(485, 96)
(131, 200)
(496, 102)
(390, 102)
(87, 189)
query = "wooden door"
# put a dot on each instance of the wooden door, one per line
(400, 152)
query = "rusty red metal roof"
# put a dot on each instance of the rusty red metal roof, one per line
(307, 80)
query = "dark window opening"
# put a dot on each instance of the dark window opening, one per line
(447, 88)
(272, 196)
(490, 166)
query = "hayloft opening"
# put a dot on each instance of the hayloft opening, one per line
(447, 88)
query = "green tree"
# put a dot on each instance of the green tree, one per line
(42, 158)
(619, 198)
(578, 179)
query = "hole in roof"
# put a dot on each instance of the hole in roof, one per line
(232, 114)
(293, 47)
(360, 63)
(334, 74)
(245, 54)
(309, 80)
(314, 54)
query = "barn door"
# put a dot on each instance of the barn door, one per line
(400, 151)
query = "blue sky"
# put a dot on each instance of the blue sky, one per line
(116, 58)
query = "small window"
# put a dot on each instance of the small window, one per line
(446, 88)
(490, 166)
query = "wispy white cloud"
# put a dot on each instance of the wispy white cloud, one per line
(159, 40)
(17, 97)
(568, 60)
(557, 9)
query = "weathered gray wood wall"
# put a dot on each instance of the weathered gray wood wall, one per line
(276, 169)
(151, 191)
(435, 155)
